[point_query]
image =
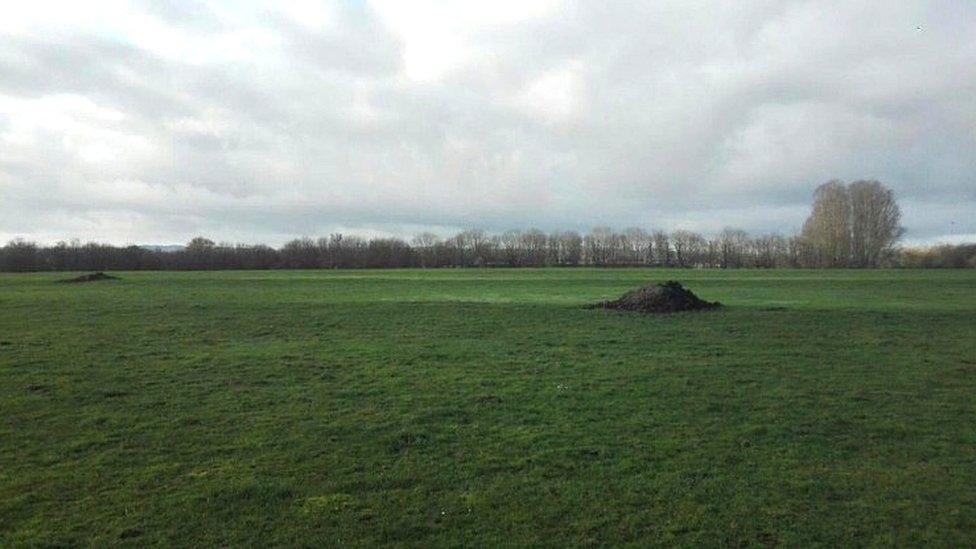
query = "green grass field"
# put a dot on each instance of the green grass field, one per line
(487, 407)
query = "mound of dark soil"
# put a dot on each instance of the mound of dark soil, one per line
(670, 297)
(94, 277)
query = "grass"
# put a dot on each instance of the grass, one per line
(486, 407)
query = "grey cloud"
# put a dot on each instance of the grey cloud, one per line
(677, 114)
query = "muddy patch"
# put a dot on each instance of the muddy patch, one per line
(670, 297)
(38, 388)
(94, 277)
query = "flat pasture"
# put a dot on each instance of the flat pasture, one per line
(487, 407)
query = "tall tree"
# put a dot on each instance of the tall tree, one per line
(638, 245)
(570, 248)
(511, 243)
(598, 246)
(300, 253)
(534, 243)
(662, 248)
(20, 256)
(875, 219)
(424, 244)
(828, 229)
(687, 247)
(852, 225)
(199, 253)
(732, 247)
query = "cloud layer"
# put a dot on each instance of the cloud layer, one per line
(155, 121)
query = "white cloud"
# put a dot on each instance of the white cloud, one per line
(440, 35)
(90, 133)
(555, 95)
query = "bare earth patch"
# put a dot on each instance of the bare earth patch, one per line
(94, 277)
(670, 297)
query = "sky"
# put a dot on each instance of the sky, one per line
(157, 121)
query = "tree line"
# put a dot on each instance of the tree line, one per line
(602, 247)
(850, 225)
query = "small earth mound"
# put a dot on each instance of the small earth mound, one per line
(670, 297)
(94, 277)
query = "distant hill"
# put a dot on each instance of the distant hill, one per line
(163, 248)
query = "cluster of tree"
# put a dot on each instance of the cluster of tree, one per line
(732, 248)
(945, 256)
(853, 225)
(472, 248)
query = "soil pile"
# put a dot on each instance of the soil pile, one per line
(94, 277)
(670, 297)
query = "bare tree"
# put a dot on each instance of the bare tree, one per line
(598, 246)
(473, 247)
(732, 247)
(828, 229)
(20, 255)
(352, 252)
(662, 248)
(688, 247)
(769, 251)
(533, 243)
(300, 253)
(874, 222)
(552, 249)
(335, 250)
(424, 244)
(638, 245)
(483, 246)
(570, 248)
(795, 248)
(511, 245)
(199, 253)
(852, 225)
(388, 253)
(697, 250)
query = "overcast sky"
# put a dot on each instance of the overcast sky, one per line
(155, 121)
